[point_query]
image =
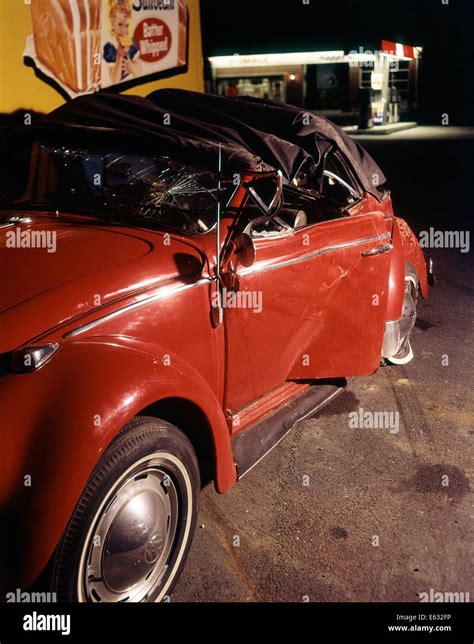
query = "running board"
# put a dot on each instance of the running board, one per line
(253, 443)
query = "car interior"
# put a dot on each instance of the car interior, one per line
(305, 204)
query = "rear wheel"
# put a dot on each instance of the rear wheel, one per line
(404, 354)
(130, 533)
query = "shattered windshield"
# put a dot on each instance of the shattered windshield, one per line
(131, 186)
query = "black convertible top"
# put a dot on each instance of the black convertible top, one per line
(254, 134)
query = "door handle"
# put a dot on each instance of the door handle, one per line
(377, 251)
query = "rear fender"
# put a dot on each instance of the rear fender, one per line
(413, 255)
(407, 256)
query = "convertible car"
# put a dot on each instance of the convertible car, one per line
(184, 278)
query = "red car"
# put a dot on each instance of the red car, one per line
(184, 278)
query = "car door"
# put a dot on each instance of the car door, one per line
(311, 305)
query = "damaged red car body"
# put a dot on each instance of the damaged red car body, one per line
(183, 320)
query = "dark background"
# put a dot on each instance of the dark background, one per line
(277, 26)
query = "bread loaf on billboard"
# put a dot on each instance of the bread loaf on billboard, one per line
(87, 45)
(67, 35)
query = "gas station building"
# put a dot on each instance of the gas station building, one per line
(356, 86)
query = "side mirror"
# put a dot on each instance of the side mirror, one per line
(266, 191)
(245, 250)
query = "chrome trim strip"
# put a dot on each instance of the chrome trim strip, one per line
(14, 221)
(355, 194)
(164, 292)
(268, 267)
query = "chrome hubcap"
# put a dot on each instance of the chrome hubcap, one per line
(408, 312)
(127, 553)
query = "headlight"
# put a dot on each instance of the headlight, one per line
(29, 359)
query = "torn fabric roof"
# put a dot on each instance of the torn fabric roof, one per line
(254, 134)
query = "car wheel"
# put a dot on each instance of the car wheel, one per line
(404, 354)
(131, 530)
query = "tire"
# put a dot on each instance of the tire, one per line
(131, 530)
(405, 354)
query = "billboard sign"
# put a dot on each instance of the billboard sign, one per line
(84, 46)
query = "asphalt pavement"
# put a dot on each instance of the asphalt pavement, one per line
(337, 513)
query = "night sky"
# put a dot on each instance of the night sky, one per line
(275, 26)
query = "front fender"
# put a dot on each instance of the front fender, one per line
(58, 421)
